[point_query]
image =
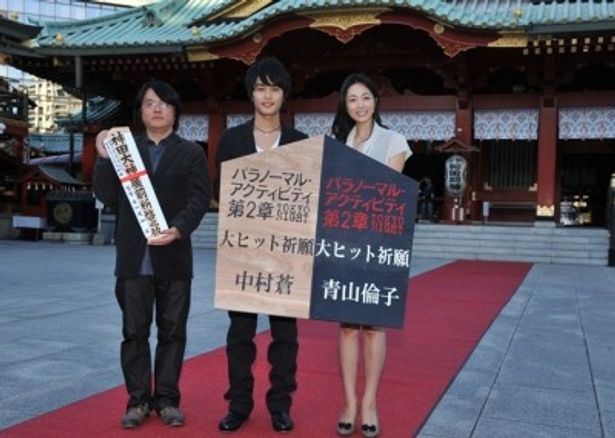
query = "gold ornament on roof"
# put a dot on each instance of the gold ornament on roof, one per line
(346, 19)
(438, 29)
(200, 54)
(510, 39)
(59, 38)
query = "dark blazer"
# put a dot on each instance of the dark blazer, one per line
(183, 189)
(238, 141)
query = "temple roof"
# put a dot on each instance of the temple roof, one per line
(12, 36)
(176, 23)
(59, 175)
(100, 111)
(55, 143)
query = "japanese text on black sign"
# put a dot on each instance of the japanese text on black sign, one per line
(357, 205)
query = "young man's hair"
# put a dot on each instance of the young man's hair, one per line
(270, 71)
(165, 92)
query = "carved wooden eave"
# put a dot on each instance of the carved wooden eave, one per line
(247, 48)
(456, 146)
(345, 24)
(11, 124)
(452, 41)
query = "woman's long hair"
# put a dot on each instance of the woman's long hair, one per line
(343, 123)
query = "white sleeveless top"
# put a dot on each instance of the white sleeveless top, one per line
(382, 144)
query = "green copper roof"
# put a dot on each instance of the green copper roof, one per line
(100, 111)
(170, 22)
(61, 176)
(54, 143)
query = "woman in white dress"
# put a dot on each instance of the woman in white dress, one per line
(357, 123)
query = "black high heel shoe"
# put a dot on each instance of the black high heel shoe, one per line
(370, 430)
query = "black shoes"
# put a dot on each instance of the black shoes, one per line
(232, 421)
(135, 416)
(282, 422)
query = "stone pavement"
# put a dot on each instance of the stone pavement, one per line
(545, 368)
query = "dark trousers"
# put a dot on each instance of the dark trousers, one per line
(137, 297)
(426, 209)
(241, 353)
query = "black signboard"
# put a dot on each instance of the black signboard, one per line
(363, 239)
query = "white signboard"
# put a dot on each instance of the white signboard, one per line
(133, 175)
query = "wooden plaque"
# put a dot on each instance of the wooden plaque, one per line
(317, 230)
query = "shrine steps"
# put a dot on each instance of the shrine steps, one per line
(538, 243)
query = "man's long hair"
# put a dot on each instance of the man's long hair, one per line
(165, 92)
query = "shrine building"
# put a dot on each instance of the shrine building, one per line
(524, 90)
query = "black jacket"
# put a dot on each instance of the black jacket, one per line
(183, 189)
(238, 141)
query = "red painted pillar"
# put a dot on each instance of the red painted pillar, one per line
(88, 157)
(463, 128)
(547, 159)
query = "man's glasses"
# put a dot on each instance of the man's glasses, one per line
(150, 104)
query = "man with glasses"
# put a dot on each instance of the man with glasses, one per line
(155, 274)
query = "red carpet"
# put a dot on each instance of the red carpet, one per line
(448, 311)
